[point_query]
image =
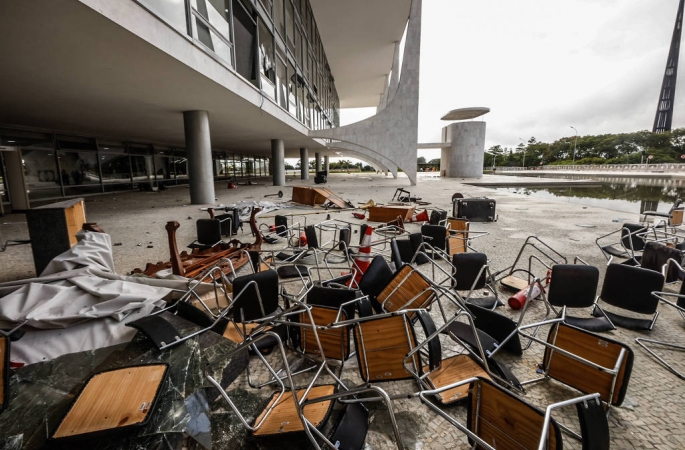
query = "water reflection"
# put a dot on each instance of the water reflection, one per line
(633, 195)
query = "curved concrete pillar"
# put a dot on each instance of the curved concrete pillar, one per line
(317, 162)
(326, 164)
(465, 157)
(393, 132)
(199, 151)
(278, 158)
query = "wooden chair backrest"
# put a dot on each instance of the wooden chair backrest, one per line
(113, 399)
(382, 345)
(505, 421)
(456, 243)
(335, 342)
(594, 348)
(454, 224)
(458, 230)
(409, 284)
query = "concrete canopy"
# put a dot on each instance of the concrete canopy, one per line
(359, 38)
(112, 69)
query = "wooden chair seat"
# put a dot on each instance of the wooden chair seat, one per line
(233, 334)
(382, 345)
(407, 284)
(505, 421)
(592, 347)
(114, 400)
(284, 417)
(452, 370)
(335, 342)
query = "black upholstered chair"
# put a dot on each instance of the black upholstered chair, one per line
(208, 234)
(630, 288)
(377, 276)
(575, 286)
(471, 273)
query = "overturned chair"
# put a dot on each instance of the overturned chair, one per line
(305, 410)
(585, 361)
(497, 419)
(679, 305)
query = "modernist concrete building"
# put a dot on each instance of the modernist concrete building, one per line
(101, 96)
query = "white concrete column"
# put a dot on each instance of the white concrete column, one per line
(326, 165)
(464, 158)
(317, 162)
(304, 163)
(278, 161)
(199, 152)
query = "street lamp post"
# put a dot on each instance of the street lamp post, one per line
(574, 145)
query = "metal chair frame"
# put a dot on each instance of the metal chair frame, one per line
(663, 297)
(544, 433)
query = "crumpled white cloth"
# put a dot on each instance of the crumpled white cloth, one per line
(79, 303)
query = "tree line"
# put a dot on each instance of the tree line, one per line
(624, 148)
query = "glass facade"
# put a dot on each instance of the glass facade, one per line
(58, 166)
(267, 42)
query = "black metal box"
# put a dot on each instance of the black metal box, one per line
(479, 209)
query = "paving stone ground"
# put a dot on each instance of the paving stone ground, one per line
(650, 418)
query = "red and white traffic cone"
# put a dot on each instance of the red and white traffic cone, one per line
(363, 259)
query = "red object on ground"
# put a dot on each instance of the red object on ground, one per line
(303, 239)
(519, 299)
(420, 217)
(359, 215)
(231, 185)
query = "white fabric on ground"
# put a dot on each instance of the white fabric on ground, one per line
(79, 303)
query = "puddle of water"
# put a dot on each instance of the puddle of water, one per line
(633, 195)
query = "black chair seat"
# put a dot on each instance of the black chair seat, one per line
(613, 251)
(465, 333)
(295, 271)
(377, 276)
(350, 433)
(594, 427)
(498, 326)
(596, 324)
(630, 323)
(485, 302)
(157, 329)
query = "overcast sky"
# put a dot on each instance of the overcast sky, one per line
(543, 66)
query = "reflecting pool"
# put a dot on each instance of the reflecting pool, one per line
(627, 194)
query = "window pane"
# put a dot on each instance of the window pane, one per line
(180, 167)
(172, 12)
(80, 167)
(42, 178)
(292, 90)
(278, 17)
(116, 171)
(163, 168)
(267, 65)
(267, 6)
(4, 192)
(289, 26)
(281, 84)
